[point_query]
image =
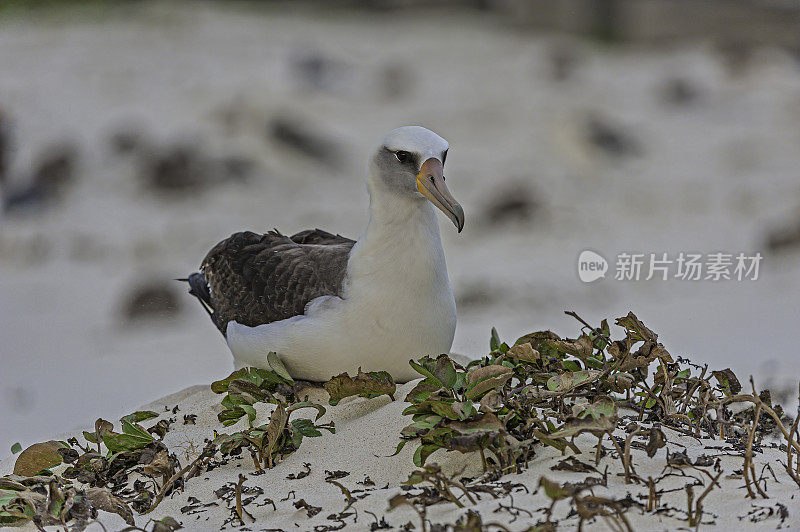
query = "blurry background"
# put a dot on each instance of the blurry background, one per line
(136, 135)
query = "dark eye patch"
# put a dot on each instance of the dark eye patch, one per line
(444, 155)
(403, 156)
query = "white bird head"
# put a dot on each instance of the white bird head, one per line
(410, 161)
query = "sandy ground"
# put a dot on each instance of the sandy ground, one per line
(367, 432)
(713, 174)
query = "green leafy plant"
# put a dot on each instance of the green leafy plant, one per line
(51, 500)
(247, 386)
(94, 477)
(544, 389)
(269, 442)
(447, 412)
(368, 385)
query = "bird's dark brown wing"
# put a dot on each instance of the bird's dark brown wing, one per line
(318, 236)
(256, 279)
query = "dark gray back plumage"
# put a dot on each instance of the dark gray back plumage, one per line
(256, 279)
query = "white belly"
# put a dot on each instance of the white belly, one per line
(378, 333)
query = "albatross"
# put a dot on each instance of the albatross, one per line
(326, 304)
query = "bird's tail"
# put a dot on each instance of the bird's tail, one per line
(198, 287)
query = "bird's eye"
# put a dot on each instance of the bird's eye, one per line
(444, 156)
(402, 156)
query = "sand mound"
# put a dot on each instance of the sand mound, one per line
(357, 457)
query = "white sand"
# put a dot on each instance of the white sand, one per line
(367, 432)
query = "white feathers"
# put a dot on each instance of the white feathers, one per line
(415, 139)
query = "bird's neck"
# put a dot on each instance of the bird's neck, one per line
(402, 236)
(390, 211)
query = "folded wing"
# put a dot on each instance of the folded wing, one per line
(256, 279)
